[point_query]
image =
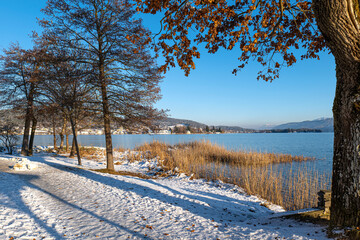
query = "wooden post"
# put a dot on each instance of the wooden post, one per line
(324, 200)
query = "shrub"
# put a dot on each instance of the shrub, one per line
(8, 137)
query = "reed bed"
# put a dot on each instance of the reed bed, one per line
(216, 153)
(93, 153)
(268, 175)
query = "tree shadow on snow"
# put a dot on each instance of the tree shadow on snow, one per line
(209, 208)
(23, 180)
(15, 197)
(207, 205)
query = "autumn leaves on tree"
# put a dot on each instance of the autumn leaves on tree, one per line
(271, 32)
(264, 31)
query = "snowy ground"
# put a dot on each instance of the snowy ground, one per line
(59, 200)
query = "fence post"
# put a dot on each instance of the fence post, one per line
(324, 200)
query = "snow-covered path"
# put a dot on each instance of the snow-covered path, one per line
(58, 200)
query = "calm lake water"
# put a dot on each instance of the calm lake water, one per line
(317, 145)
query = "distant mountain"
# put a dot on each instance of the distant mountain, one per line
(266, 127)
(166, 122)
(235, 129)
(323, 124)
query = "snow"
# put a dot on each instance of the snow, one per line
(22, 164)
(61, 200)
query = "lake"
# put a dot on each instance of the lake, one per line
(317, 145)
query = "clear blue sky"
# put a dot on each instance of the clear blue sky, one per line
(211, 94)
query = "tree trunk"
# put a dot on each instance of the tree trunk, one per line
(54, 132)
(75, 140)
(62, 133)
(72, 152)
(25, 143)
(345, 202)
(28, 116)
(107, 126)
(33, 129)
(338, 21)
(67, 142)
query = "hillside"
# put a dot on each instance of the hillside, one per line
(166, 122)
(323, 124)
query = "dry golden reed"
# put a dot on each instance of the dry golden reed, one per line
(93, 153)
(153, 150)
(257, 173)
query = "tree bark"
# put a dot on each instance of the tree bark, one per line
(67, 142)
(33, 129)
(345, 202)
(25, 142)
(72, 151)
(106, 112)
(28, 116)
(54, 132)
(62, 134)
(75, 140)
(338, 21)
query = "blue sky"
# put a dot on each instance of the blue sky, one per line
(211, 94)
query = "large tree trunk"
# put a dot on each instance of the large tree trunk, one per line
(339, 24)
(33, 129)
(107, 126)
(345, 202)
(28, 117)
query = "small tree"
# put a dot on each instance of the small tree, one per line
(8, 137)
(18, 84)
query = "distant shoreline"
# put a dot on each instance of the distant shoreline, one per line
(162, 134)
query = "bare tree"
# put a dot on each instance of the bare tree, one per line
(18, 84)
(125, 74)
(65, 85)
(8, 136)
